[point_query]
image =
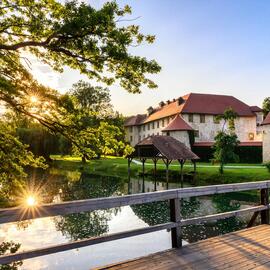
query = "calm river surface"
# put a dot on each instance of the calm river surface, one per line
(60, 185)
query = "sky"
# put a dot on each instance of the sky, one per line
(203, 46)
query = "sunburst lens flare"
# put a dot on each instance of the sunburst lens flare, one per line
(31, 201)
(33, 99)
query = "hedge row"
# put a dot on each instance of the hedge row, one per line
(247, 154)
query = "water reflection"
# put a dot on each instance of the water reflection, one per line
(61, 185)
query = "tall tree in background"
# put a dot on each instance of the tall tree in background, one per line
(97, 125)
(226, 140)
(74, 34)
(266, 106)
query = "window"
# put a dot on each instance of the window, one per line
(202, 118)
(251, 136)
(196, 134)
(148, 126)
(216, 119)
(168, 120)
(140, 138)
(144, 136)
(131, 138)
(168, 133)
(190, 118)
(130, 129)
(157, 124)
(153, 125)
(158, 133)
(139, 128)
(143, 127)
(163, 124)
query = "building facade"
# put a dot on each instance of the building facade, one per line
(266, 138)
(196, 114)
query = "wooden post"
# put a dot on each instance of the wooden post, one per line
(167, 162)
(195, 171)
(175, 217)
(143, 172)
(181, 161)
(265, 201)
(129, 170)
(155, 167)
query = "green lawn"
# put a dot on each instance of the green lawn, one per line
(205, 175)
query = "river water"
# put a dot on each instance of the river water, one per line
(56, 185)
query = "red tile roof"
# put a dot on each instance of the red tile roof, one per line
(135, 120)
(178, 123)
(266, 121)
(215, 105)
(255, 109)
(253, 143)
(200, 104)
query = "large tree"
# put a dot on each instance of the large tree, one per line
(73, 34)
(226, 140)
(266, 106)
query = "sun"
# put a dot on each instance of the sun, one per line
(31, 201)
(33, 99)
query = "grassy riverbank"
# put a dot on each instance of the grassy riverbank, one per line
(206, 173)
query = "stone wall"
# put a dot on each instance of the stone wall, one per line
(207, 128)
(266, 143)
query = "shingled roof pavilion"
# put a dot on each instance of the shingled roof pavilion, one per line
(165, 148)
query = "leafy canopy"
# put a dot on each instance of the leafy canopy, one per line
(73, 34)
(266, 106)
(226, 141)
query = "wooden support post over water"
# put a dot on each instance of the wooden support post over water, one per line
(167, 163)
(175, 217)
(265, 201)
(155, 160)
(195, 171)
(182, 162)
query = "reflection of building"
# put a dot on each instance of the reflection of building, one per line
(266, 138)
(196, 114)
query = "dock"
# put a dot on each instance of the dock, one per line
(244, 249)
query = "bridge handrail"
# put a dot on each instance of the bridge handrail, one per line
(174, 195)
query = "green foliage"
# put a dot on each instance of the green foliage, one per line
(266, 106)
(225, 143)
(228, 116)
(77, 35)
(9, 247)
(14, 157)
(224, 147)
(74, 34)
(97, 128)
(267, 165)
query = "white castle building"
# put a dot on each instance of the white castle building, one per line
(266, 138)
(197, 114)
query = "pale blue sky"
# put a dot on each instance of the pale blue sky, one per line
(206, 46)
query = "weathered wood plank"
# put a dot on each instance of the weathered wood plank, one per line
(236, 213)
(82, 243)
(64, 208)
(243, 253)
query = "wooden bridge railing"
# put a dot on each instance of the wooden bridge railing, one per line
(174, 196)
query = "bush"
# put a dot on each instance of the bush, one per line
(267, 165)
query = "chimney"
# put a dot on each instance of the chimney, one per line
(161, 104)
(180, 101)
(150, 110)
